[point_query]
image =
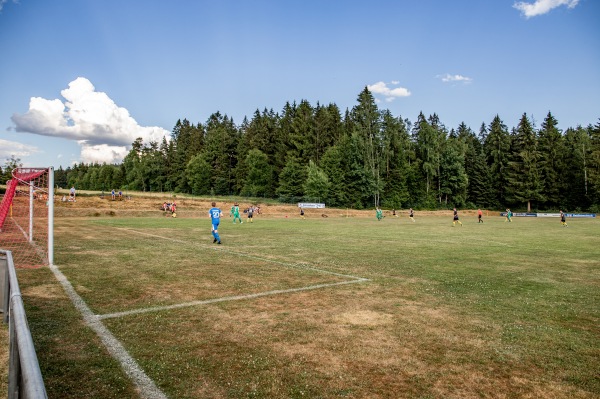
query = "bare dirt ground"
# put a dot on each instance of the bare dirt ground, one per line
(150, 206)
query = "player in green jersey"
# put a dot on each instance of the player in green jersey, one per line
(235, 210)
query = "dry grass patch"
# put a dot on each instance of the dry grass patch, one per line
(4, 353)
(45, 291)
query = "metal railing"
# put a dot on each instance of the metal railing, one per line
(24, 374)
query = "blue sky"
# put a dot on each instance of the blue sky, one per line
(81, 79)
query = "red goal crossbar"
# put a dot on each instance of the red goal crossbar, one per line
(24, 175)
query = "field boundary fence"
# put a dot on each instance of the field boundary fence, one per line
(24, 374)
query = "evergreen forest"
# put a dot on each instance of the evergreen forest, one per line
(362, 158)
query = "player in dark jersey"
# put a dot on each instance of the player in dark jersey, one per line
(456, 218)
(563, 219)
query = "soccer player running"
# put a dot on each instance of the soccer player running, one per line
(379, 214)
(236, 213)
(563, 219)
(508, 215)
(479, 216)
(215, 216)
(456, 218)
(411, 214)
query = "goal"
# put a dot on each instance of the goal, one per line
(27, 217)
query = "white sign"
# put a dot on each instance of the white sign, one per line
(314, 205)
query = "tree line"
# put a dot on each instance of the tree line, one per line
(363, 158)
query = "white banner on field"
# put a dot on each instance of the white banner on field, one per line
(548, 215)
(314, 205)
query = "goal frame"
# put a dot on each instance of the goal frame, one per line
(22, 177)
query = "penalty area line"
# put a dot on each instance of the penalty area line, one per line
(227, 299)
(250, 256)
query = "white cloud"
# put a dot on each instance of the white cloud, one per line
(101, 152)
(104, 130)
(540, 7)
(13, 148)
(390, 94)
(454, 78)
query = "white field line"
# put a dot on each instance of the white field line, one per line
(243, 254)
(225, 299)
(147, 388)
(352, 280)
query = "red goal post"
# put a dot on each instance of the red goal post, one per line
(27, 217)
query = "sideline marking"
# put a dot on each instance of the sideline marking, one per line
(147, 388)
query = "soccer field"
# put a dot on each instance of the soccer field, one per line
(319, 308)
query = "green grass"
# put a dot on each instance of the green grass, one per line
(484, 310)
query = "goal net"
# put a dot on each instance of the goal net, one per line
(26, 217)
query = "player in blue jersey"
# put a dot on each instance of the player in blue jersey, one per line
(215, 216)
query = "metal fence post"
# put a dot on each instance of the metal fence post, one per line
(24, 375)
(14, 364)
(4, 287)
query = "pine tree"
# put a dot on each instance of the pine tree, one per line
(291, 181)
(188, 142)
(333, 164)
(453, 177)
(259, 181)
(578, 192)
(221, 142)
(133, 169)
(260, 133)
(396, 143)
(351, 184)
(427, 147)
(302, 134)
(472, 147)
(592, 164)
(480, 183)
(524, 180)
(367, 125)
(551, 147)
(327, 129)
(497, 149)
(198, 172)
(316, 186)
